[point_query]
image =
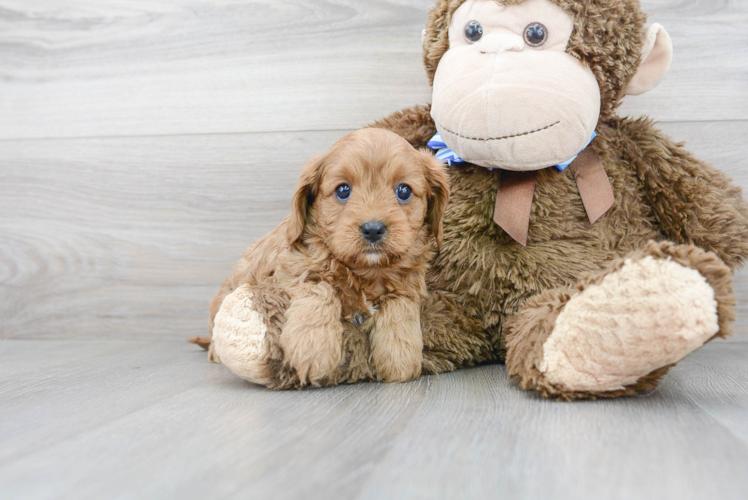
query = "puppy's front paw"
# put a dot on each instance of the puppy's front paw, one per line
(397, 358)
(397, 342)
(239, 337)
(312, 338)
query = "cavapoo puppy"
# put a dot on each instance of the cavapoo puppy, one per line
(354, 251)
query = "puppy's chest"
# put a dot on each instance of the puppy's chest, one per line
(359, 306)
(361, 299)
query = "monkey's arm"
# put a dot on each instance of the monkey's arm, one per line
(692, 201)
(413, 124)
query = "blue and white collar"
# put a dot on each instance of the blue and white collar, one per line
(443, 153)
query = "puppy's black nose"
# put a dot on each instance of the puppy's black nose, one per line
(373, 230)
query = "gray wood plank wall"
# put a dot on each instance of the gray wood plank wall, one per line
(144, 144)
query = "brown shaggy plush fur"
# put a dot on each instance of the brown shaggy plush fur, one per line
(326, 275)
(662, 193)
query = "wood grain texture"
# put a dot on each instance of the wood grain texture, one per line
(708, 79)
(130, 237)
(85, 68)
(153, 420)
(116, 68)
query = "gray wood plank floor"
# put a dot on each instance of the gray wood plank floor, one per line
(104, 419)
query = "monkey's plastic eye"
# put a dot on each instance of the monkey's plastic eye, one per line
(535, 34)
(343, 192)
(404, 193)
(473, 31)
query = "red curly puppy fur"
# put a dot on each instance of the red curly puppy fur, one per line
(333, 274)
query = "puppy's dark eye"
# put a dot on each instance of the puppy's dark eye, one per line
(343, 192)
(473, 31)
(403, 193)
(535, 34)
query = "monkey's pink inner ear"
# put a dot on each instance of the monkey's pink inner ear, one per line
(657, 54)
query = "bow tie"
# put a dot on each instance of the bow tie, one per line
(516, 189)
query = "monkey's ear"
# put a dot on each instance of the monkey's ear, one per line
(657, 54)
(304, 197)
(438, 180)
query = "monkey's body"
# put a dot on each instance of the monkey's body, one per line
(662, 193)
(583, 309)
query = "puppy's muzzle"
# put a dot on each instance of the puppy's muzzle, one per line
(373, 231)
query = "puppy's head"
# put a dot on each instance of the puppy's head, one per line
(371, 197)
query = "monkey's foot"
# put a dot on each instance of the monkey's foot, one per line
(240, 337)
(623, 328)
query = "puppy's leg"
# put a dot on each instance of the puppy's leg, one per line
(396, 341)
(312, 338)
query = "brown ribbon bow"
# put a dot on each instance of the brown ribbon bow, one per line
(514, 198)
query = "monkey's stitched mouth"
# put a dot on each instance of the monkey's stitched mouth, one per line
(499, 138)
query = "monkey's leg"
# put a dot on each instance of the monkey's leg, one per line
(621, 330)
(451, 339)
(246, 332)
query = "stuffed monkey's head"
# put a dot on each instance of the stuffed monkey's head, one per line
(521, 85)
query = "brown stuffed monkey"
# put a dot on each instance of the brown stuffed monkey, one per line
(587, 251)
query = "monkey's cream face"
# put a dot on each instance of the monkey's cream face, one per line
(506, 94)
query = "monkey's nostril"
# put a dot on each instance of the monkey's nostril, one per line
(373, 231)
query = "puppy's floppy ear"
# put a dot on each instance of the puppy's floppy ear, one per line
(438, 180)
(304, 197)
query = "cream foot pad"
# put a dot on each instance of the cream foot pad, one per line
(239, 337)
(648, 314)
